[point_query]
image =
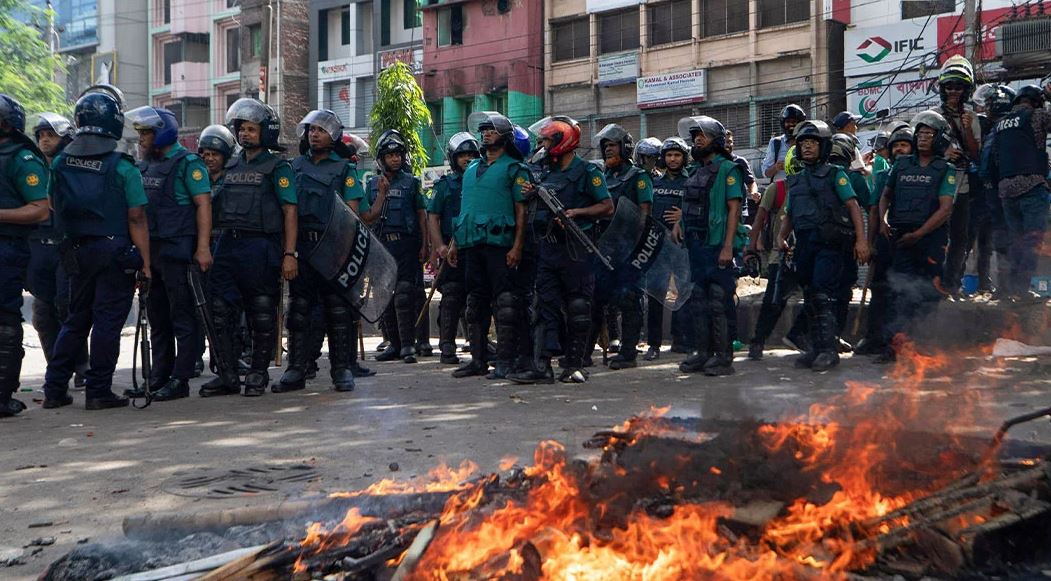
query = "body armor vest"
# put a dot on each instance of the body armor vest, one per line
(813, 201)
(695, 200)
(400, 214)
(315, 186)
(569, 187)
(915, 192)
(167, 219)
(668, 193)
(247, 200)
(88, 197)
(451, 208)
(1017, 152)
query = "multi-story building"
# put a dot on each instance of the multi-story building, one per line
(343, 57)
(644, 65)
(480, 55)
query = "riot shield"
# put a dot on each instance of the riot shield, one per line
(644, 244)
(350, 257)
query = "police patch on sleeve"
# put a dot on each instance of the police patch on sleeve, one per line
(641, 185)
(596, 181)
(283, 182)
(730, 180)
(350, 182)
(197, 175)
(32, 179)
(842, 181)
(952, 179)
(520, 181)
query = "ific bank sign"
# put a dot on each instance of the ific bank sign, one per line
(903, 45)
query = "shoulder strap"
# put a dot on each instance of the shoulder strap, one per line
(782, 193)
(777, 148)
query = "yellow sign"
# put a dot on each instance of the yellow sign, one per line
(283, 182)
(32, 179)
(197, 175)
(350, 182)
(596, 181)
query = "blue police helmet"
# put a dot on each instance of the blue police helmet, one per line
(12, 113)
(161, 121)
(99, 114)
(521, 138)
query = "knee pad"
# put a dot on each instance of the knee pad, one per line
(578, 314)
(403, 298)
(298, 314)
(262, 310)
(629, 300)
(337, 309)
(223, 313)
(453, 289)
(506, 308)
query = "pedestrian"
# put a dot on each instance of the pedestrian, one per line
(489, 234)
(100, 202)
(23, 204)
(46, 279)
(323, 178)
(709, 226)
(618, 291)
(774, 161)
(915, 207)
(668, 191)
(844, 154)
(442, 212)
(1022, 170)
(397, 212)
(824, 214)
(565, 280)
(255, 209)
(179, 214)
(955, 86)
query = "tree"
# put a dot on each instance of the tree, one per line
(28, 66)
(400, 106)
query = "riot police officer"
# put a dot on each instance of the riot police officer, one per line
(916, 205)
(216, 146)
(668, 191)
(710, 217)
(565, 280)
(844, 154)
(647, 155)
(100, 202)
(1022, 168)
(255, 210)
(321, 176)
(397, 212)
(824, 214)
(442, 211)
(179, 213)
(489, 236)
(23, 203)
(619, 290)
(46, 280)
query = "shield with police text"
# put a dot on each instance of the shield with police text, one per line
(349, 256)
(642, 243)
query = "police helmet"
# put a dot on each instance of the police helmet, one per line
(355, 145)
(957, 69)
(563, 131)
(880, 140)
(217, 138)
(1000, 102)
(675, 144)
(649, 147)
(792, 111)
(255, 111)
(482, 120)
(901, 133)
(462, 142)
(1033, 93)
(99, 113)
(160, 121)
(521, 139)
(817, 130)
(935, 121)
(12, 114)
(688, 127)
(843, 151)
(391, 142)
(325, 119)
(616, 134)
(54, 122)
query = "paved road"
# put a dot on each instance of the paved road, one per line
(85, 471)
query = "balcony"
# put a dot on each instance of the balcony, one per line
(190, 79)
(190, 16)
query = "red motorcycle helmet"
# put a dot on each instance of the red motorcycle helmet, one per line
(563, 132)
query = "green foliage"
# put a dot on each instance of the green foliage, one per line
(27, 66)
(400, 106)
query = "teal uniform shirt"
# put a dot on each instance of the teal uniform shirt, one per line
(441, 192)
(860, 185)
(487, 203)
(284, 178)
(191, 177)
(130, 181)
(27, 172)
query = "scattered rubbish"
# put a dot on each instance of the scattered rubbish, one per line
(1011, 348)
(393, 466)
(517, 398)
(41, 542)
(40, 525)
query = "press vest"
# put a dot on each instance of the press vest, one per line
(167, 219)
(915, 191)
(695, 200)
(399, 216)
(453, 184)
(1018, 154)
(10, 199)
(668, 193)
(88, 197)
(247, 200)
(813, 201)
(570, 187)
(315, 186)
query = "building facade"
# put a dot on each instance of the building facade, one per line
(481, 55)
(343, 60)
(644, 65)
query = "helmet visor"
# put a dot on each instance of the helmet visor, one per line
(460, 139)
(57, 123)
(326, 120)
(480, 119)
(145, 117)
(611, 132)
(247, 109)
(687, 127)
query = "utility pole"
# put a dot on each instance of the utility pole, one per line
(51, 34)
(969, 32)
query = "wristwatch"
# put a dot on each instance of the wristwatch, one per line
(294, 254)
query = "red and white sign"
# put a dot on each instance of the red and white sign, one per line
(951, 30)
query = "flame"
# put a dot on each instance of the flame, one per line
(439, 479)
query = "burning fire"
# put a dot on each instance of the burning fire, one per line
(566, 526)
(439, 479)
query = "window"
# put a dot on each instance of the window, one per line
(167, 11)
(618, 31)
(365, 95)
(233, 3)
(499, 101)
(571, 39)
(924, 8)
(723, 17)
(670, 22)
(450, 25)
(503, 6)
(231, 98)
(411, 14)
(233, 49)
(255, 40)
(364, 28)
(344, 26)
(437, 116)
(777, 12)
(322, 35)
(770, 116)
(172, 55)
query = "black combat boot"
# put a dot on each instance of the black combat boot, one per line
(174, 389)
(294, 378)
(479, 364)
(341, 339)
(226, 345)
(11, 354)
